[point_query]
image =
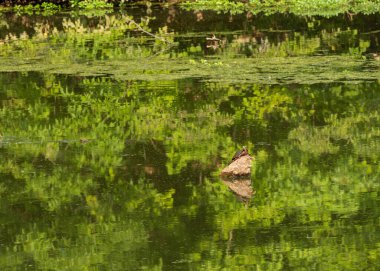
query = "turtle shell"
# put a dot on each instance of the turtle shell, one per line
(240, 153)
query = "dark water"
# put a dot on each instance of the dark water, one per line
(121, 171)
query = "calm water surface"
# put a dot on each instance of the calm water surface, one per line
(112, 142)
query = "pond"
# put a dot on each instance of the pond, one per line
(114, 128)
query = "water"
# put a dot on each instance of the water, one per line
(112, 143)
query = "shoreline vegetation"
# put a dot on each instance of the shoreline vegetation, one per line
(283, 54)
(297, 7)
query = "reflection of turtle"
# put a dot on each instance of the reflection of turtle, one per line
(240, 153)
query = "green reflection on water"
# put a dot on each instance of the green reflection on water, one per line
(104, 173)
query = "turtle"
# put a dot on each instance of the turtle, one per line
(240, 153)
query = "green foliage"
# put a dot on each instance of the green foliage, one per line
(299, 7)
(90, 4)
(112, 137)
(46, 8)
(233, 7)
(288, 60)
(49, 8)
